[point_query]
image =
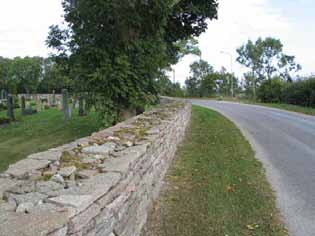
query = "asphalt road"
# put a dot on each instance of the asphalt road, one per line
(285, 143)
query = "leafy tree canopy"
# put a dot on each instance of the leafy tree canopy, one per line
(31, 75)
(116, 49)
(265, 58)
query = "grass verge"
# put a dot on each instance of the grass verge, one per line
(289, 107)
(40, 132)
(215, 186)
(281, 106)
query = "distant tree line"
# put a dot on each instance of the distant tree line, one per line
(204, 81)
(299, 92)
(272, 76)
(31, 75)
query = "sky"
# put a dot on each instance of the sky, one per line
(24, 28)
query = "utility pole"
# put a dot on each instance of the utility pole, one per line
(232, 82)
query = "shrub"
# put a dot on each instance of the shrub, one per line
(271, 90)
(3, 106)
(301, 92)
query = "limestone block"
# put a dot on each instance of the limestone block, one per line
(78, 222)
(86, 174)
(25, 207)
(22, 187)
(32, 197)
(23, 167)
(99, 185)
(47, 187)
(51, 155)
(39, 223)
(104, 149)
(67, 171)
(7, 206)
(58, 179)
(121, 164)
(79, 202)
(59, 232)
(5, 184)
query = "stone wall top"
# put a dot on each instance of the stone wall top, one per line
(54, 192)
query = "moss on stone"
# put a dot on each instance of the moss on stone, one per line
(68, 160)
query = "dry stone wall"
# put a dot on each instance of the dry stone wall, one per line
(101, 185)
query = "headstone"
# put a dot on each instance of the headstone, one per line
(3, 94)
(65, 105)
(54, 98)
(73, 102)
(23, 105)
(81, 110)
(10, 107)
(87, 106)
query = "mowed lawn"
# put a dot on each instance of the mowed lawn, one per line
(215, 187)
(290, 107)
(282, 106)
(40, 132)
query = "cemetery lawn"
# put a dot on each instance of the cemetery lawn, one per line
(39, 132)
(215, 186)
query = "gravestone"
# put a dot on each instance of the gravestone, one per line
(10, 107)
(3, 94)
(23, 105)
(81, 110)
(65, 105)
(54, 98)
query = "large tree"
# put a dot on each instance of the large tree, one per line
(117, 48)
(265, 58)
(200, 81)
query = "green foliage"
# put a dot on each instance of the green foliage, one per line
(40, 132)
(205, 82)
(224, 83)
(167, 88)
(249, 85)
(300, 92)
(216, 186)
(200, 71)
(271, 90)
(115, 50)
(265, 59)
(208, 84)
(53, 78)
(31, 75)
(186, 47)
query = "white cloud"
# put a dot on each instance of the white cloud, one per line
(243, 20)
(24, 26)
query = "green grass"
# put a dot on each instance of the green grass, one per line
(282, 106)
(40, 132)
(289, 107)
(215, 187)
